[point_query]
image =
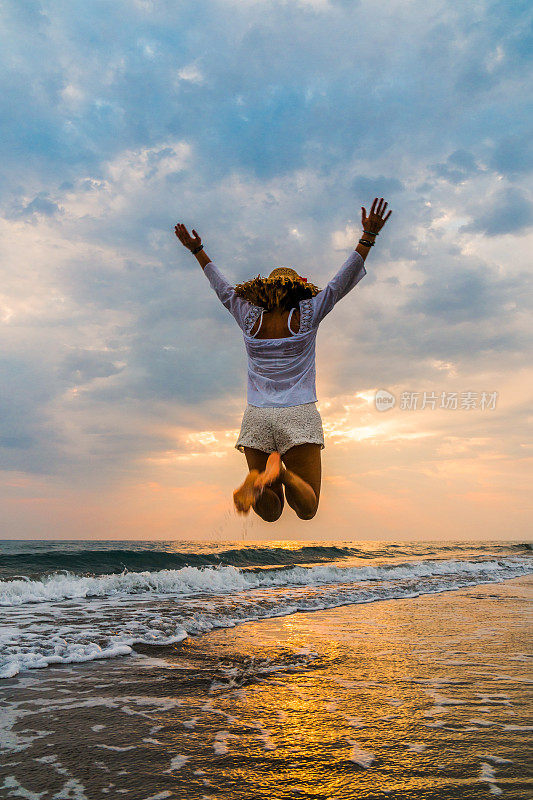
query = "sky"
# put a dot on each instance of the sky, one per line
(265, 125)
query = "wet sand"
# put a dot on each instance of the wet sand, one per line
(426, 697)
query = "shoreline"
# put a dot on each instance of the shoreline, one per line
(385, 699)
(375, 587)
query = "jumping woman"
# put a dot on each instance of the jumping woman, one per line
(281, 433)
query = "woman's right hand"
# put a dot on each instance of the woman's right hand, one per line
(188, 241)
(375, 221)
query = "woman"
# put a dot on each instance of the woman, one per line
(281, 433)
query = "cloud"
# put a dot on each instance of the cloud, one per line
(83, 366)
(507, 211)
(190, 73)
(378, 186)
(29, 439)
(458, 167)
(266, 126)
(512, 155)
(41, 204)
(460, 293)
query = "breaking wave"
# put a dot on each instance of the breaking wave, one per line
(66, 618)
(208, 580)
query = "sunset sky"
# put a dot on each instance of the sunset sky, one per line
(265, 126)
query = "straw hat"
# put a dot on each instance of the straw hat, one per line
(281, 275)
(286, 273)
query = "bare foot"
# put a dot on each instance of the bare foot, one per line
(273, 471)
(244, 496)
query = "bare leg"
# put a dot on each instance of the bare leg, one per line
(302, 478)
(272, 471)
(300, 495)
(268, 505)
(244, 496)
(266, 501)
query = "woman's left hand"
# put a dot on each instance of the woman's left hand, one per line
(188, 241)
(375, 220)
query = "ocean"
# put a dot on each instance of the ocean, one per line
(77, 601)
(265, 671)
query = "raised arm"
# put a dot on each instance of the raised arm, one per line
(238, 307)
(344, 281)
(353, 268)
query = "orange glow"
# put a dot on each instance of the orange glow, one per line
(393, 474)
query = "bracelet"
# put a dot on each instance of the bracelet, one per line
(197, 249)
(366, 242)
(373, 233)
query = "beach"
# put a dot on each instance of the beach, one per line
(415, 696)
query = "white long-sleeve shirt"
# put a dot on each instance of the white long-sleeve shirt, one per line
(281, 372)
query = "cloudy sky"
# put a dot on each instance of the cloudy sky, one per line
(265, 125)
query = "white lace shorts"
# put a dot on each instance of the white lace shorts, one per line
(270, 429)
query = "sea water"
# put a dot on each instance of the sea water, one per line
(77, 601)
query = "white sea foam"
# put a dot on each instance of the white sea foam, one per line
(177, 762)
(417, 747)
(77, 654)
(518, 727)
(220, 742)
(487, 776)
(497, 759)
(17, 789)
(117, 748)
(67, 618)
(354, 722)
(191, 580)
(364, 758)
(265, 736)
